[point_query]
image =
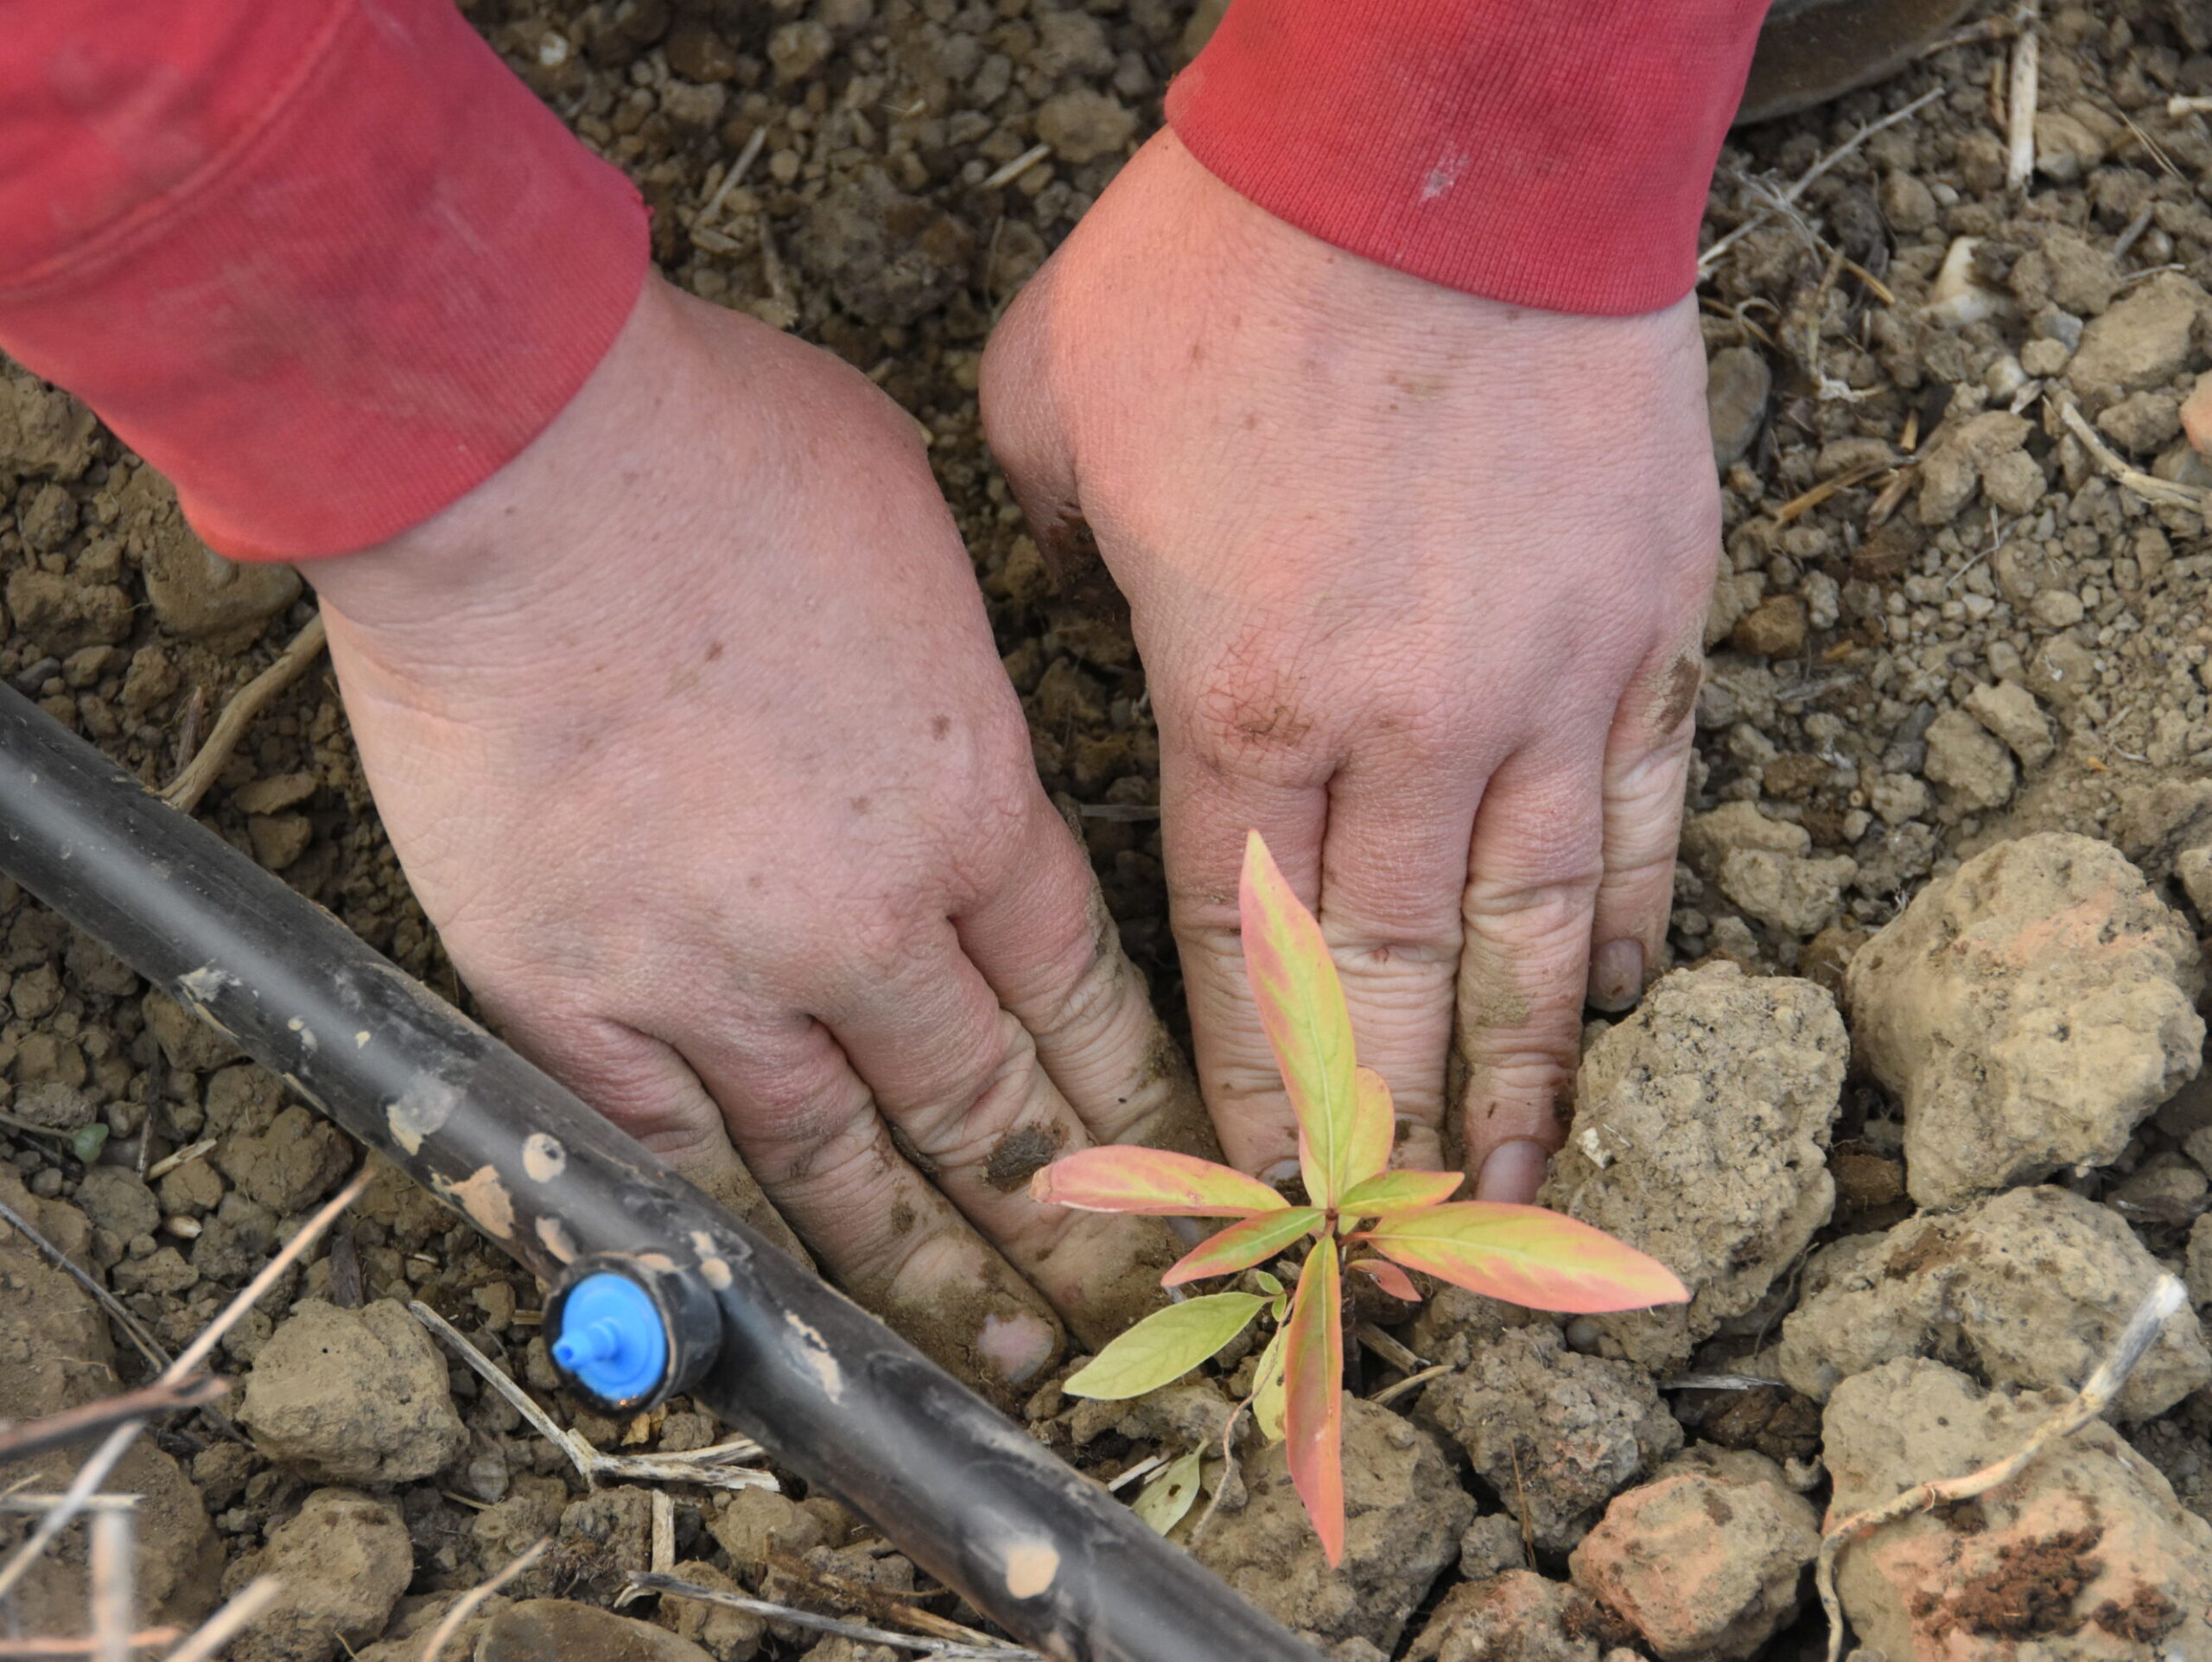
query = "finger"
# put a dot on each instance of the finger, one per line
(961, 1083)
(1049, 950)
(1533, 884)
(1393, 862)
(1207, 808)
(810, 1130)
(1646, 767)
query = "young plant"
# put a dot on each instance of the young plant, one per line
(1356, 1205)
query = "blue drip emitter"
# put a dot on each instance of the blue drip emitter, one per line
(612, 1340)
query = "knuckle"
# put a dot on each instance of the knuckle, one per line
(979, 1097)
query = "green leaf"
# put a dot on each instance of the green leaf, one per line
(1267, 1390)
(1165, 1346)
(1400, 1191)
(87, 1141)
(1153, 1182)
(1302, 1008)
(1526, 1255)
(1313, 1377)
(1268, 1284)
(1243, 1245)
(1166, 1499)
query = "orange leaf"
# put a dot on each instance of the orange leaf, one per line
(1243, 1245)
(1302, 1008)
(1390, 1279)
(1526, 1255)
(1374, 1128)
(1313, 1371)
(1400, 1191)
(1152, 1182)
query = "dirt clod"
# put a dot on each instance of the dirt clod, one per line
(352, 1396)
(1701, 1133)
(2029, 1010)
(2029, 1288)
(1403, 1516)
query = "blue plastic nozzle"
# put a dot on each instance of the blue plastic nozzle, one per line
(613, 1341)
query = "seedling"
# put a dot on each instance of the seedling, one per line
(1393, 1221)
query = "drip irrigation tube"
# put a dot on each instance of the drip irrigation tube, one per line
(831, 1392)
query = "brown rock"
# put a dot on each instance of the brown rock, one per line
(1736, 384)
(352, 1396)
(1083, 125)
(2144, 340)
(63, 613)
(343, 1561)
(1703, 1563)
(1773, 628)
(560, 1630)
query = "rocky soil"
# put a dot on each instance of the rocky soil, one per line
(1917, 1118)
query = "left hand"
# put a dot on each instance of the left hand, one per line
(1418, 579)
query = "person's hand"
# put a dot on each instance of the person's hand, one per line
(689, 732)
(1417, 579)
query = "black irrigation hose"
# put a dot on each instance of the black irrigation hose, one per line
(835, 1395)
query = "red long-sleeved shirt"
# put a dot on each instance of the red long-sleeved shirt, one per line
(329, 265)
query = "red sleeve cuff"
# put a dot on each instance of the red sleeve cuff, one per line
(1543, 153)
(327, 266)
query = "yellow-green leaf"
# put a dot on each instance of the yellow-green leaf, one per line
(1165, 1346)
(1302, 1009)
(1166, 1499)
(1243, 1245)
(1152, 1182)
(1400, 1191)
(1374, 1128)
(1526, 1255)
(1267, 1390)
(1313, 1372)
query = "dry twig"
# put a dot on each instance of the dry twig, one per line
(465, 1606)
(148, 1346)
(1020, 164)
(114, 1574)
(1789, 198)
(21, 1650)
(714, 1466)
(2160, 491)
(1412, 1382)
(2165, 1296)
(669, 1587)
(2020, 104)
(225, 1624)
(95, 1470)
(1808, 501)
(80, 1424)
(185, 790)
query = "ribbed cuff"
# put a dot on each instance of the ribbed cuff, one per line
(1547, 153)
(328, 267)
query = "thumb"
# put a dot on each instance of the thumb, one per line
(1024, 425)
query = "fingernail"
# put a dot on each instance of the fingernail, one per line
(1017, 1346)
(1513, 1173)
(1281, 1173)
(1616, 976)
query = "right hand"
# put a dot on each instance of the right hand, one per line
(690, 734)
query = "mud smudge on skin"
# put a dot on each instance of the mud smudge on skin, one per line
(1021, 1155)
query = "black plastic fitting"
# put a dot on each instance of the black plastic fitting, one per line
(831, 1392)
